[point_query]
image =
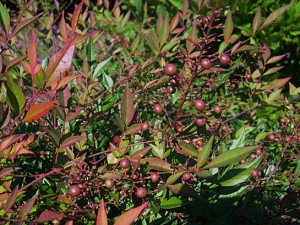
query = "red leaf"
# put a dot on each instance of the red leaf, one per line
(31, 53)
(127, 106)
(26, 67)
(70, 141)
(23, 24)
(48, 215)
(157, 164)
(81, 38)
(11, 199)
(102, 216)
(75, 18)
(131, 215)
(36, 111)
(10, 140)
(14, 62)
(64, 81)
(63, 28)
(25, 210)
(8, 171)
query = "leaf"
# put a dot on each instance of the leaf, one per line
(131, 215)
(171, 203)
(157, 164)
(81, 37)
(245, 48)
(23, 24)
(184, 190)
(229, 157)
(100, 66)
(10, 140)
(4, 18)
(192, 38)
(127, 107)
(274, 96)
(165, 30)
(133, 129)
(111, 176)
(63, 27)
(228, 27)
(49, 215)
(11, 199)
(70, 141)
(31, 53)
(15, 96)
(174, 177)
(273, 70)
(240, 139)
(204, 153)
(7, 171)
(275, 59)
(102, 216)
(37, 111)
(75, 17)
(256, 21)
(65, 81)
(187, 149)
(261, 136)
(277, 83)
(15, 61)
(273, 16)
(25, 210)
(204, 174)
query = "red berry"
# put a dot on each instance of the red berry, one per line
(144, 126)
(124, 163)
(200, 105)
(170, 69)
(218, 109)
(118, 38)
(173, 82)
(157, 109)
(179, 129)
(255, 173)
(258, 151)
(205, 63)
(271, 137)
(242, 161)
(200, 148)
(170, 90)
(154, 177)
(248, 76)
(224, 59)
(282, 120)
(109, 183)
(56, 222)
(74, 191)
(287, 139)
(252, 156)
(186, 176)
(141, 192)
(201, 121)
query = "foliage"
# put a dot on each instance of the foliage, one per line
(101, 120)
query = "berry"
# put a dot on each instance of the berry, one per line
(141, 192)
(218, 109)
(157, 109)
(258, 151)
(205, 63)
(186, 176)
(144, 126)
(118, 38)
(170, 90)
(200, 105)
(109, 183)
(287, 139)
(74, 191)
(154, 177)
(242, 161)
(201, 121)
(271, 137)
(179, 129)
(124, 163)
(282, 120)
(170, 69)
(200, 148)
(224, 59)
(252, 156)
(174, 82)
(55, 222)
(255, 173)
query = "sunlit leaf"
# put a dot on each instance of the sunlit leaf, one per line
(228, 27)
(157, 164)
(63, 27)
(187, 149)
(70, 141)
(204, 153)
(75, 17)
(25, 210)
(15, 96)
(256, 21)
(10, 140)
(174, 177)
(49, 215)
(131, 215)
(127, 106)
(23, 24)
(4, 18)
(101, 216)
(37, 111)
(273, 16)
(171, 203)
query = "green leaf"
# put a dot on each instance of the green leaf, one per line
(191, 38)
(261, 136)
(273, 16)
(127, 106)
(204, 153)
(15, 96)
(99, 68)
(184, 190)
(274, 96)
(256, 21)
(107, 81)
(240, 141)
(174, 177)
(171, 203)
(91, 51)
(228, 27)
(157, 164)
(165, 30)
(230, 157)
(4, 18)
(23, 24)
(25, 210)
(39, 78)
(187, 149)
(133, 129)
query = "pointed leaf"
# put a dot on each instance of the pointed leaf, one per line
(157, 164)
(75, 18)
(4, 18)
(187, 149)
(277, 83)
(102, 216)
(49, 215)
(127, 107)
(256, 21)
(65, 81)
(274, 96)
(80, 38)
(273, 16)
(63, 27)
(174, 177)
(192, 38)
(171, 203)
(275, 59)
(11, 199)
(273, 70)
(14, 62)
(165, 30)
(25, 210)
(38, 110)
(133, 129)
(23, 24)
(184, 190)
(7, 171)
(70, 141)
(15, 96)
(228, 27)
(131, 215)
(230, 157)
(31, 53)
(204, 153)
(10, 140)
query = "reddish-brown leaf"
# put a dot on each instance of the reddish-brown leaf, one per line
(157, 164)
(25, 210)
(48, 215)
(102, 216)
(14, 62)
(70, 141)
(133, 129)
(11, 199)
(127, 106)
(80, 38)
(65, 81)
(38, 110)
(26, 67)
(131, 215)
(23, 24)
(228, 27)
(31, 53)
(63, 27)
(10, 140)
(256, 21)
(75, 18)
(7, 171)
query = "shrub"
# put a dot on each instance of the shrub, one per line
(165, 120)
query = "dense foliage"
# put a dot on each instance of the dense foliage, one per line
(111, 114)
